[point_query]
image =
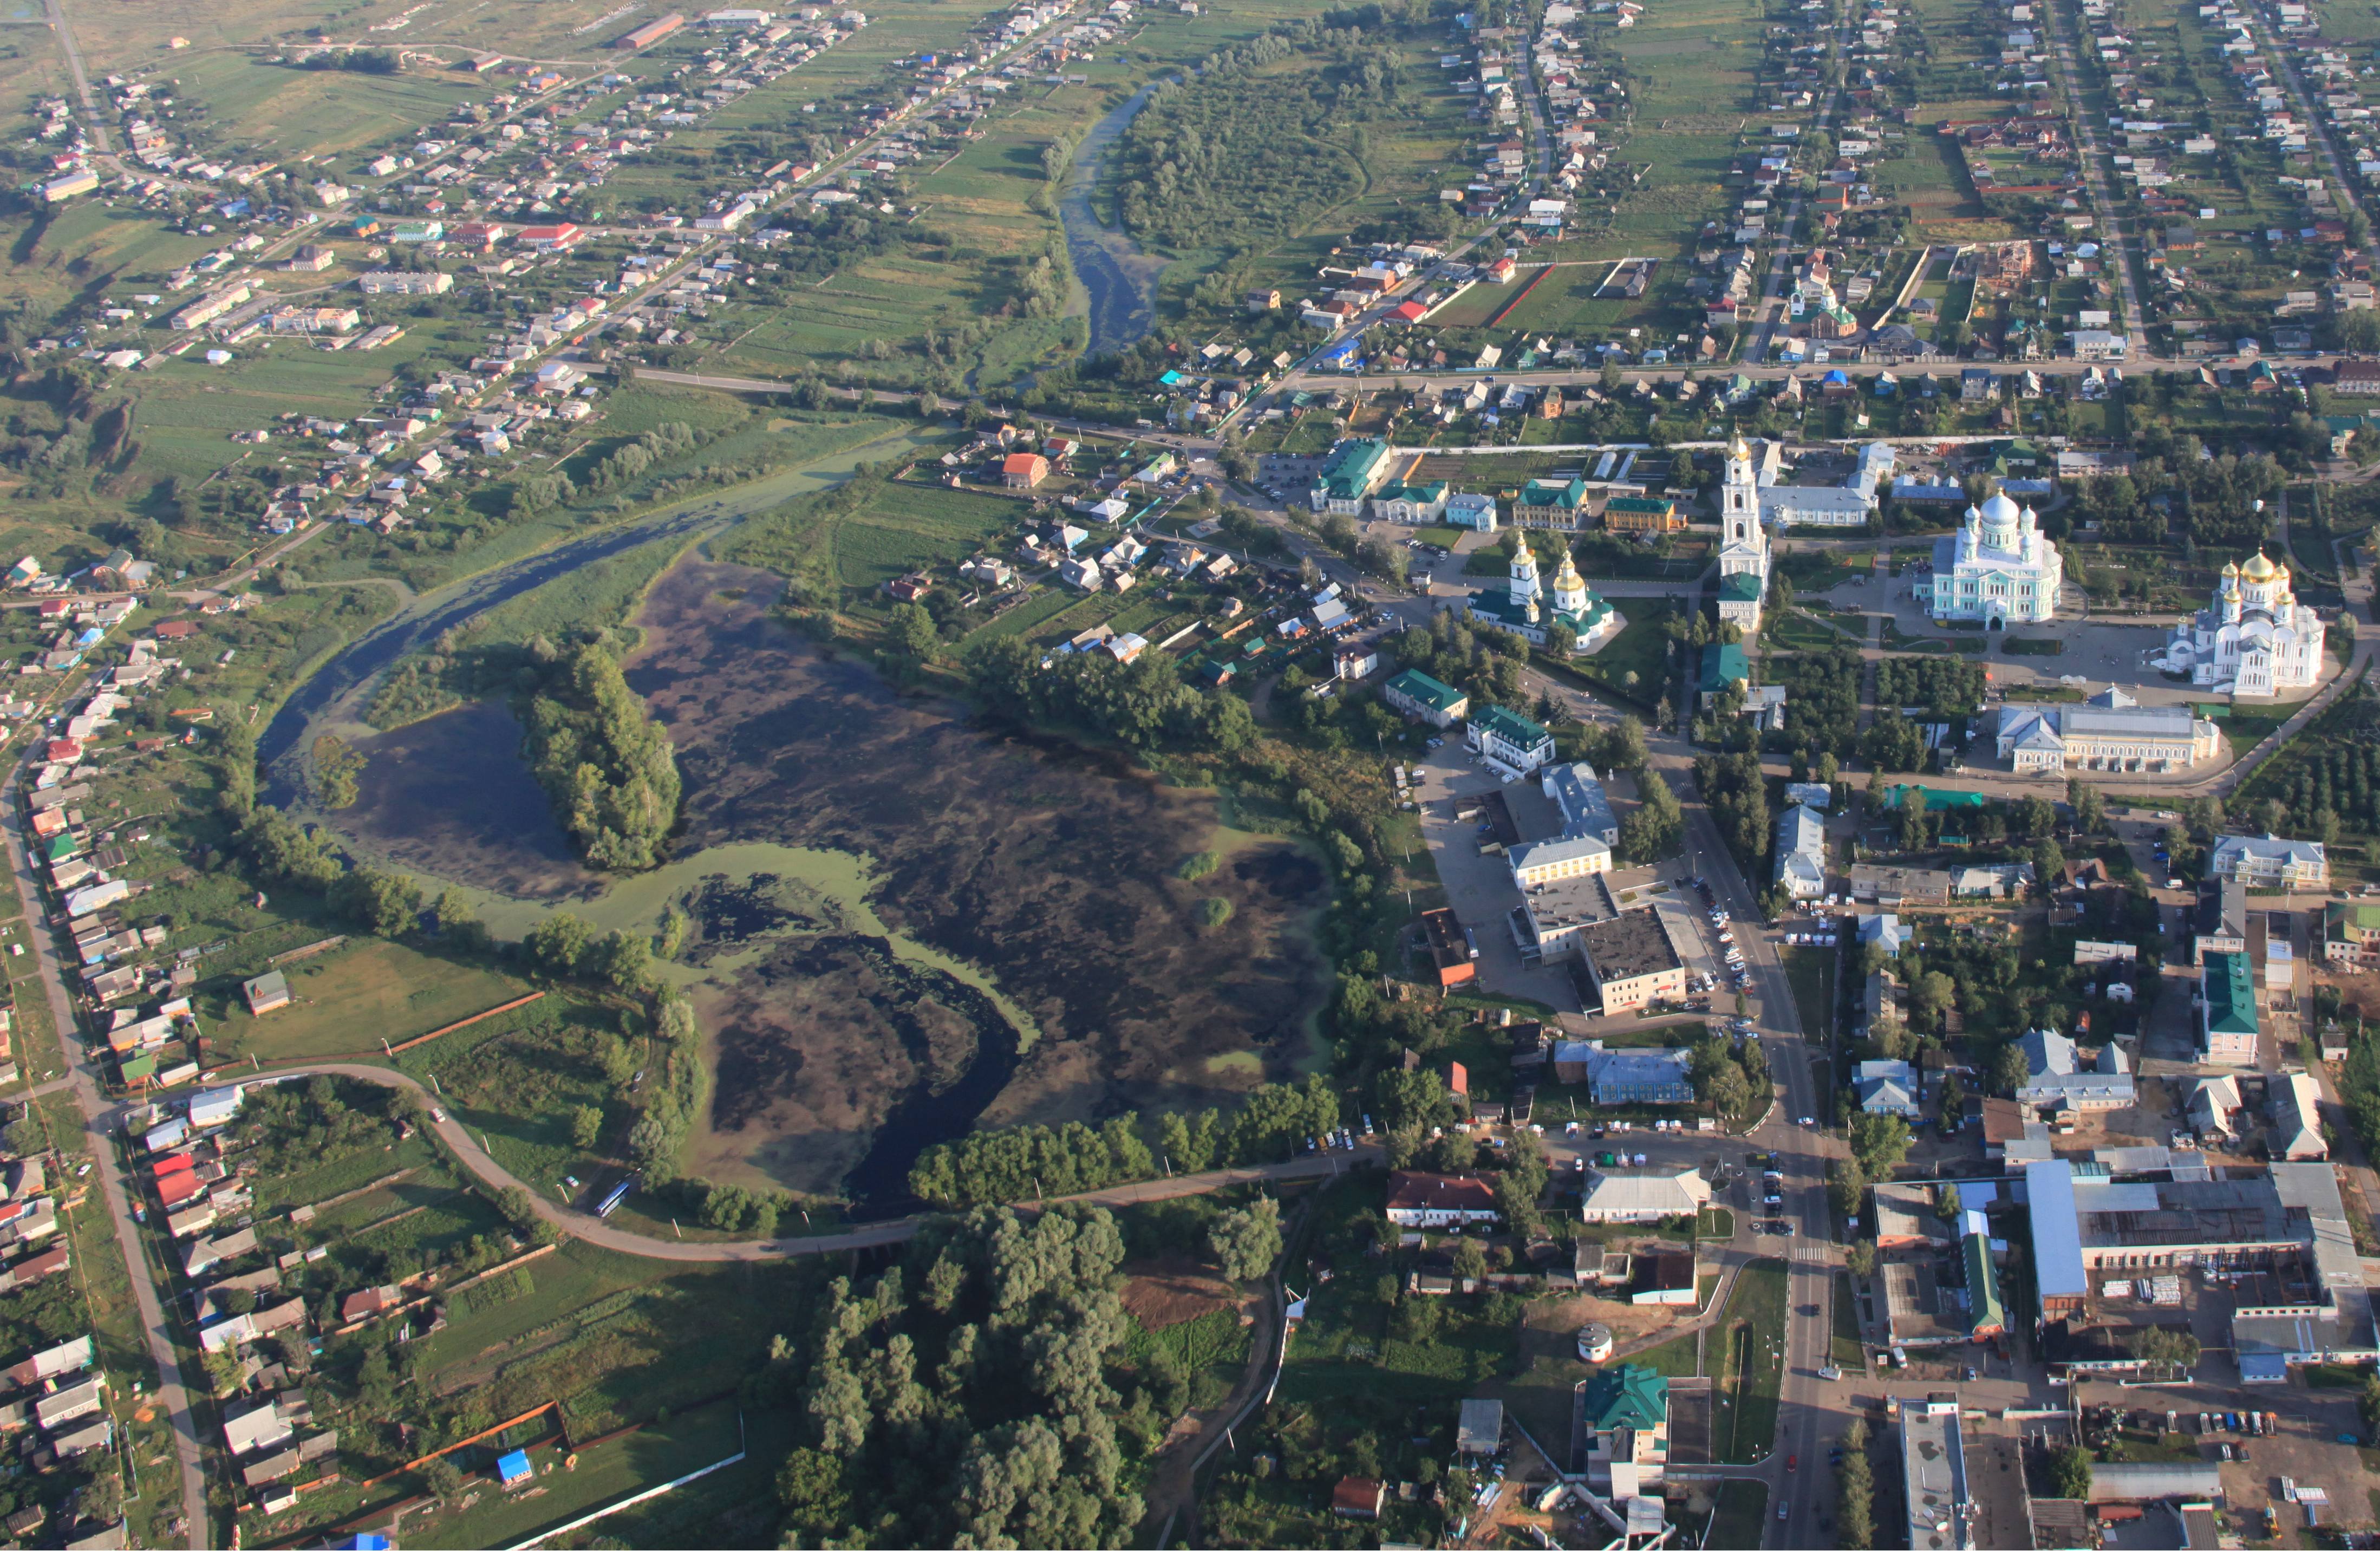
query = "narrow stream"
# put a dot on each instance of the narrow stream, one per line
(1119, 281)
(332, 695)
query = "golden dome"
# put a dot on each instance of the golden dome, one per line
(1738, 447)
(2259, 568)
(2230, 567)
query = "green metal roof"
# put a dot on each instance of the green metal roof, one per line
(1568, 494)
(2362, 920)
(1936, 798)
(2230, 994)
(1652, 505)
(1741, 587)
(1418, 687)
(1982, 1286)
(1626, 1396)
(1518, 731)
(1349, 471)
(1724, 663)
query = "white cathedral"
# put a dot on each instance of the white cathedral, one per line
(1743, 544)
(1524, 609)
(2256, 641)
(1996, 568)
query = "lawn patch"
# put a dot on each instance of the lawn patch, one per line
(1752, 1335)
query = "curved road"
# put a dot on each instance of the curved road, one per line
(595, 1230)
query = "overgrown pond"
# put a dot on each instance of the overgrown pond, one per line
(906, 921)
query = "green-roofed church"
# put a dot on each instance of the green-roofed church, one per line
(1523, 608)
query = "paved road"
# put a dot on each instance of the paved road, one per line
(83, 1078)
(2113, 236)
(595, 1230)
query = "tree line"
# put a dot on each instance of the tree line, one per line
(1027, 1162)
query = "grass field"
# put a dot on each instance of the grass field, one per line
(1212, 1349)
(349, 1000)
(1740, 1516)
(1843, 1342)
(1754, 1341)
(517, 1080)
(1810, 972)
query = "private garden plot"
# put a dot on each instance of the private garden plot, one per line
(914, 527)
(608, 1470)
(281, 112)
(615, 1338)
(189, 410)
(347, 1000)
(886, 301)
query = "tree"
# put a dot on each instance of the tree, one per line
(336, 767)
(2175, 1350)
(812, 1484)
(2368, 1404)
(1879, 1143)
(2069, 1471)
(1946, 1203)
(1932, 996)
(1860, 1259)
(1470, 1260)
(1653, 826)
(442, 1478)
(913, 628)
(585, 1125)
(381, 903)
(520, 1210)
(1845, 1186)
(1856, 1501)
(558, 942)
(1622, 748)
(2010, 1070)
(2090, 808)
(2048, 862)
(1246, 1243)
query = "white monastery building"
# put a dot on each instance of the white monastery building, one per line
(2257, 640)
(1998, 568)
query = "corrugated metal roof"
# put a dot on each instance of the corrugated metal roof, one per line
(2166, 722)
(2057, 1230)
(2139, 1483)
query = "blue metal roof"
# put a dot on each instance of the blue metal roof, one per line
(2057, 1230)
